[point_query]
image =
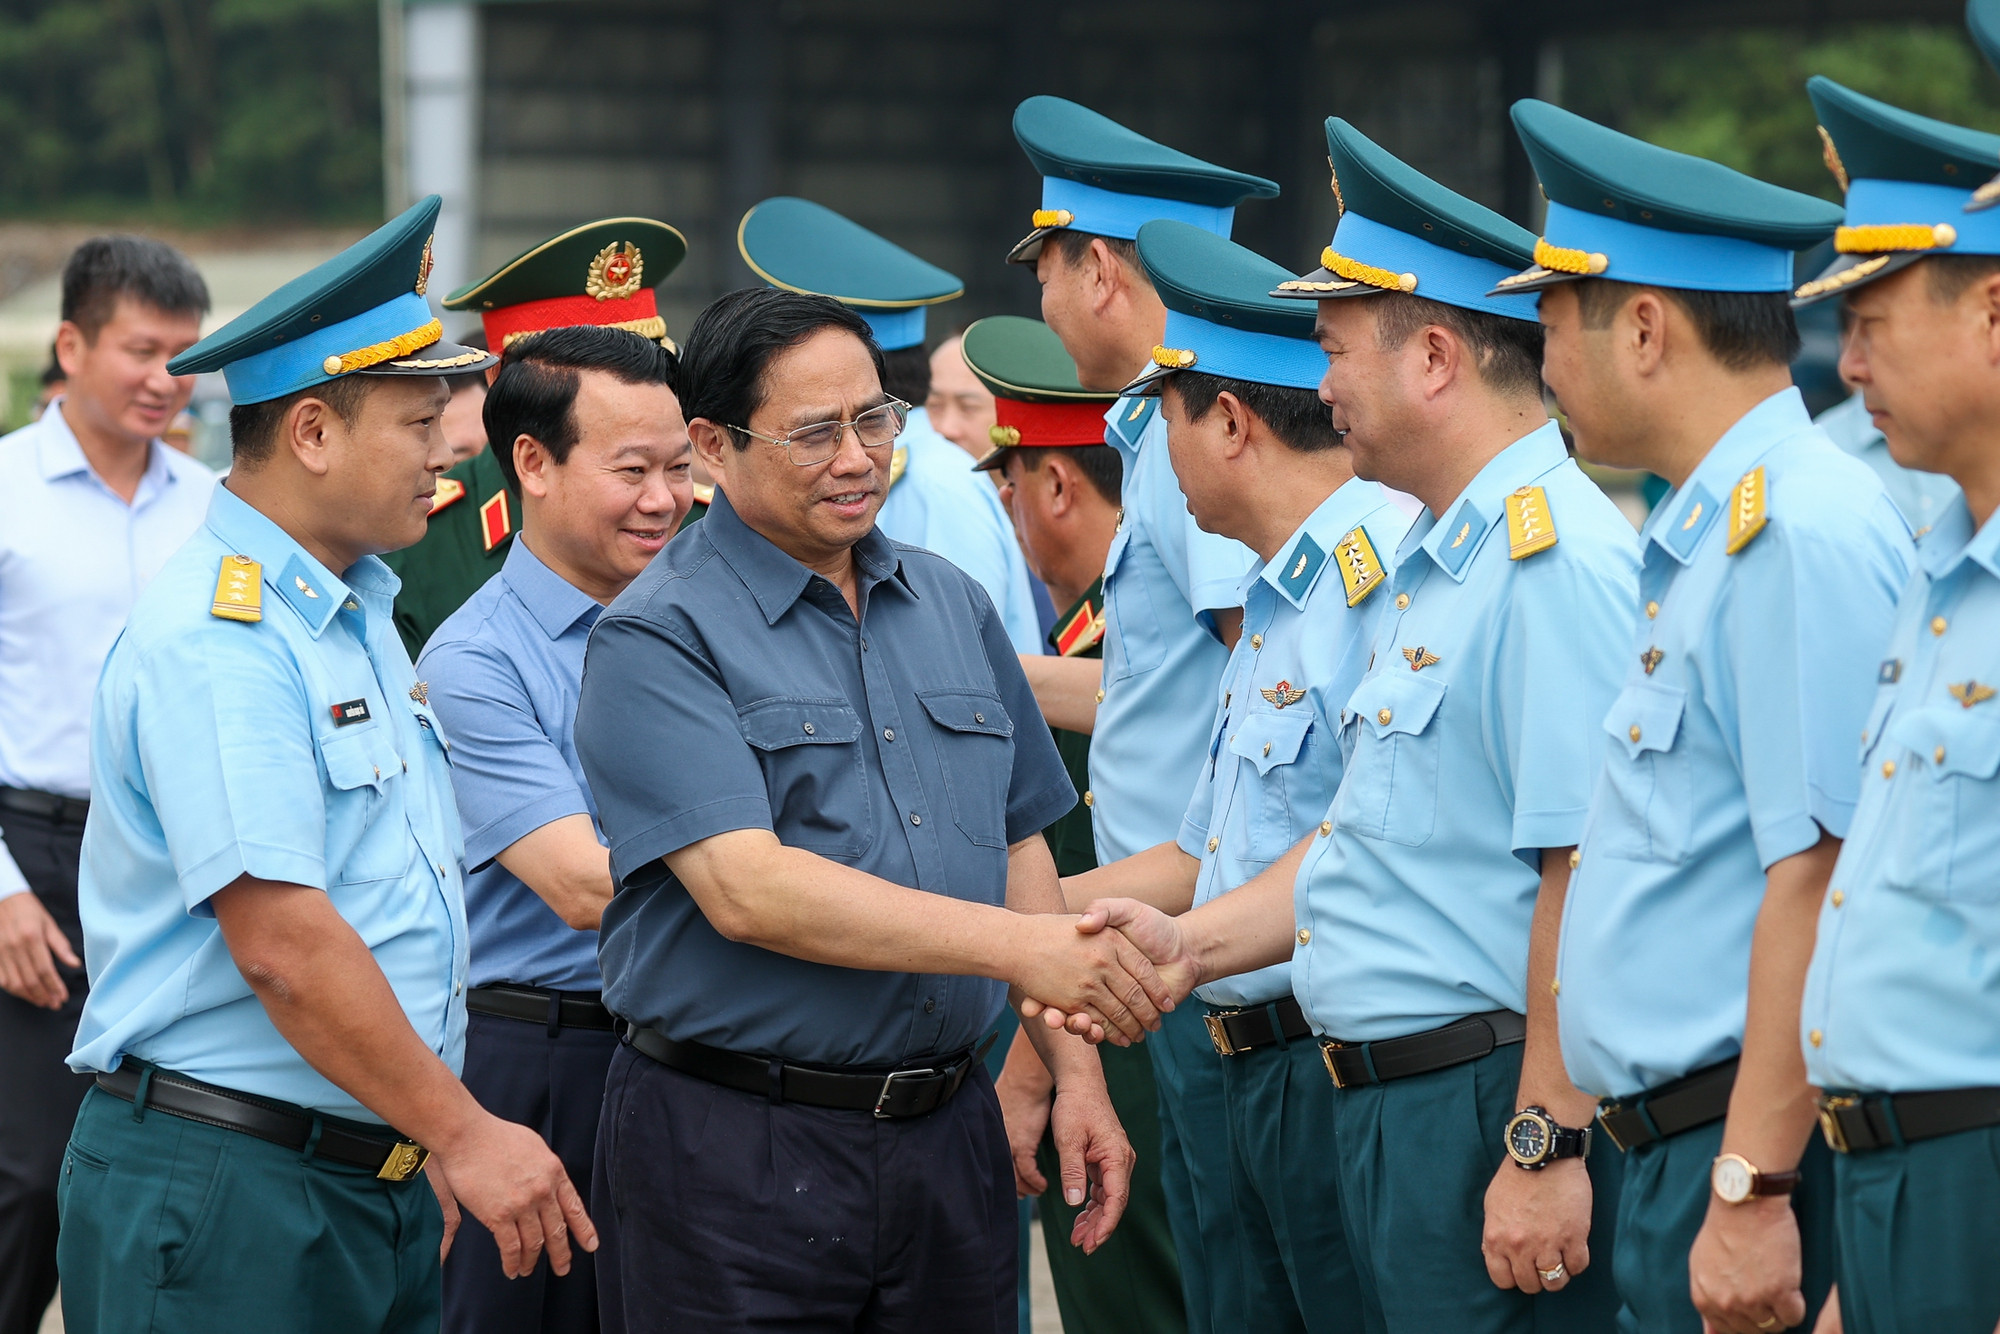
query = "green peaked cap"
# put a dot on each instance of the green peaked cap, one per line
(1022, 359)
(1873, 140)
(560, 266)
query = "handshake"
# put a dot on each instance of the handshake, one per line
(1107, 974)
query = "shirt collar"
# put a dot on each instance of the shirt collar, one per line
(1452, 541)
(1951, 542)
(1685, 514)
(774, 578)
(59, 454)
(1306, 554)
(290, 571)
(554, 602)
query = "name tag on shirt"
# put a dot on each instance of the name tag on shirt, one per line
(353, 711)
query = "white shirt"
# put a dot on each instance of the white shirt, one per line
(73, 557)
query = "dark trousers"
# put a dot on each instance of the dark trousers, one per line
(722, 1211)
(38, 1093)
(1919, 1236)
(554, 1084)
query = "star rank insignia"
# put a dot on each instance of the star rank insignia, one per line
(1360, 568)
(1282, 695)
(1529, 527)
(1747, 515)
(239, 590)
(1420, 658)
(1969, 693)
(421, 693)
(1651, 659)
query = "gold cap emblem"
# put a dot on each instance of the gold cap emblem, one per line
(423, 269)
(616, 272)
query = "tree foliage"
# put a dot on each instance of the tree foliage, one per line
(190, 110)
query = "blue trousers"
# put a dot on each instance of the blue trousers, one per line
(1197, 1172)
(1920, 1236)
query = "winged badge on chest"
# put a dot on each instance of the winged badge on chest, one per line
(1282, 695)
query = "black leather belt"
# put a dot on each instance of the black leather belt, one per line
(1693, 1100)
(382, 1152)
(557, 1009)
(1857, 1123)
(896, 1094)
(54, 809)
(1237, 1031)
(1354, 1064)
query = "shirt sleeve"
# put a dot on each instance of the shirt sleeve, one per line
(223, 736)
(1559, 661)
(508, 776)
(660, 743)
(1039, 791)
(1807, 615)
(12, 882)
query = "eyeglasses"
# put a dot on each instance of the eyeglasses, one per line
(806, 446)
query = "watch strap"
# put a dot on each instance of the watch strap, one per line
(1773, 1183)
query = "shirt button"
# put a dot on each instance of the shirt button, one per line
(915, 818)
(1815, 1037)
(1384, 716)
(1555, 986)
(1575, 858)
(406, 766)
(1838, 898)
(978, 717)
(1090, 798)
(1937, 756)
(1267, 748)
(1305, 935)
(1888, 768)
(809, 729)
(440, 870)
(1402, 601)
(930, 1007)
(458, 990)
(1213, 842)
(1634, 733)
(1652, 610)
(1325, 828)
(1256, 641)
(378, 770)
(1100, 694)
(1938, 624)
(864, 645)
(888, 734)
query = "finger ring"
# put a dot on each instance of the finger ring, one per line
(1772, 1323)
(1556, 1275)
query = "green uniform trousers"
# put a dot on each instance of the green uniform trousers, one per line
(1919, 1233)
(1197, 1171)
(1663, 1203)
(1133, 1282)
(1416, 1156)
(177, 1227)
(1287, 1188)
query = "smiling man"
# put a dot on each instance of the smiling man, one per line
(92, 503)
(824, 782)
(592, 440)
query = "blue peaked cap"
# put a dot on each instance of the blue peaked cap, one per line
(1221, 317)
(801, 246)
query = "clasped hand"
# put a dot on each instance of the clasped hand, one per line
(1125, 964)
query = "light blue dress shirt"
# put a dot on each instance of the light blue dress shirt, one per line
(292, 749)
(1904, 989)
(503, 673)
(1274, 753)
(1731, 745)
(73, 557)
(942, 505)
(1922, 497)
(1470, 744)
(1163, 577)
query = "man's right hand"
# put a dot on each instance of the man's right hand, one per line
(506, 1177)
(1144, 930)
(30, 944)
(1092, 978)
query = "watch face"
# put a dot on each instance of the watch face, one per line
(1528, 1138)
(1731, 1179)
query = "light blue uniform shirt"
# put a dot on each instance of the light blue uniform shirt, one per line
(1162, 578)
(1904, 989)
(1274, 752)
(1414, 910)
(1923, 497)
(503, 673)
(942, 505)
(1731, 745)
(216, 753)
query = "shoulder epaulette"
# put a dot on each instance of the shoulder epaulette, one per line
(495, 522)
(899, 463)
(1082, 632)
(239, 590)
(1360, 568)
(449, 489)
(1747, 512)
(704, 493)
(1530, 527)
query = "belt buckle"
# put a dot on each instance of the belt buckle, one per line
(889, 1086)
(1605, 1111)
(1219, 1035)
(1831, 1105)
(1327, 1048)
(405, 1160)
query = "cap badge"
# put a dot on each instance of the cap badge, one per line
(1003, 437)
(1420, 658)
(1333, 179)
(1831, 156)
(616, 272)
(1969, 693)
(1282, 695)
(424, 266)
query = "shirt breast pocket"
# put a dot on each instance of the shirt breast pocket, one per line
(975, 747)
(1135, 641)
(1289, 786)
(367, 831)
(811, 753)
(1390, 788)
(1649, 817)
(1945, 838)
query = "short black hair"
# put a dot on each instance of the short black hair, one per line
(906, 374)
(253, 427)
(106, 267)
(1101, 466)
(1950, 275)
(1073, 245)
(1741, 330)
(1295, 416)
(535, 392)
(735, 339)
(1506, 351)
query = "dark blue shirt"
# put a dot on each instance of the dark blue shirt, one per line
(731, 688)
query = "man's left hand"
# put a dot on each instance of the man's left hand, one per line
(434, 1173)
(1096, 1160)
(1536, 1223)
(1745, 1272)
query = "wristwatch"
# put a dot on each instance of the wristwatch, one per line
(1534, 1140)
(1734, 1180)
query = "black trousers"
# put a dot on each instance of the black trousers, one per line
(38, 1093)
(554, 1084)
(722, 1211)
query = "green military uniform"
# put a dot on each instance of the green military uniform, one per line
(602, 273)
(1133, 1281)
